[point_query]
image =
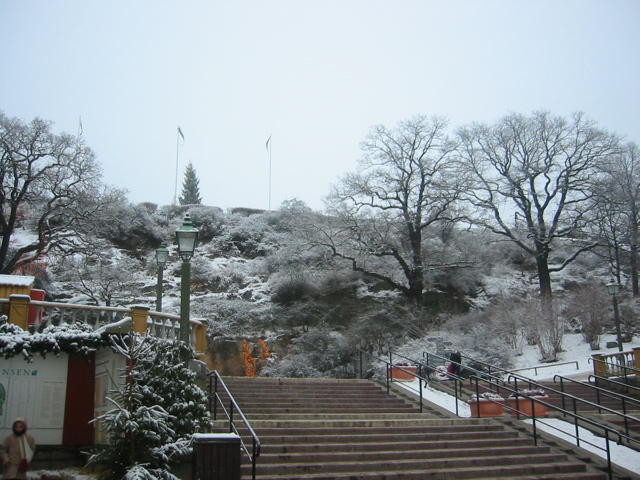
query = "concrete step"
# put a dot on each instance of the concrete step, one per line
(439, 469)
(410, 445)
(407, 453)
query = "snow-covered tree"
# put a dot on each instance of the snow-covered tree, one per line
(534, 185)
(50, 183)
(379, 217)
(106, 280)
(156, 410)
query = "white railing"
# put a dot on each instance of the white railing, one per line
(158, 324)
(53, 313)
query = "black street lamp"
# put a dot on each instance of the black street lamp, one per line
(613, 288)
(187, 237)
(161, 260)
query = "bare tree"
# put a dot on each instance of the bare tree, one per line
(49, 181)
(534, 184)
(104, 280)
(406, 184)
(618, 210)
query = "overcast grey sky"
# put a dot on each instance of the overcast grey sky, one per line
(314, 74)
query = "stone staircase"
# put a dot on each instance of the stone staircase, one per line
(352, 429)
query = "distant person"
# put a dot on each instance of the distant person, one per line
(456, 359)
(17, 450)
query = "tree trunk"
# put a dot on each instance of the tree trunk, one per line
(416, 286)
(544, 280)
(633, 260)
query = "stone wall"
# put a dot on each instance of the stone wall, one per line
(226, 354)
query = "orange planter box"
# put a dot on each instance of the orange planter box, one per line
(527, 407)
(486, 408)
(396, 374)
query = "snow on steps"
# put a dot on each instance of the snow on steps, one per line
(351, 429)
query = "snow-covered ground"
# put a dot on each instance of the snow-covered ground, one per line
(576, 351)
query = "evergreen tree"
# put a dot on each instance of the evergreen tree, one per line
(190, 187)
(157, 409)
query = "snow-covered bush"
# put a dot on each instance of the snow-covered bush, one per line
(209, 221)
(628, 321)
(291, 366)
(77, 338)
(291, 286)
(246, 236)
(318, 353)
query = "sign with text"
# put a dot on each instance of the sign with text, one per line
(35, 391)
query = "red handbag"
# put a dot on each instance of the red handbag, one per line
(23, 465)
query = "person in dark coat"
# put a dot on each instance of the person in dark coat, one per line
(456, 360)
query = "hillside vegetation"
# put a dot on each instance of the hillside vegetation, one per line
(254, 275)
(494, 236)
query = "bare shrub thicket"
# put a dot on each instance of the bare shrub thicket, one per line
(508, 321)
(629, 323)
(545, 329)
(590, 307)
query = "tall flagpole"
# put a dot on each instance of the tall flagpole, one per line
(269, 150)
(175, 191)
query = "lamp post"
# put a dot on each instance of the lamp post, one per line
(161, 260)
(187, 237)
(613, 288)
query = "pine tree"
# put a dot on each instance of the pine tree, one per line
(190, 187)
(157, 409)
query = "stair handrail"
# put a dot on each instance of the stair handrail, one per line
(213, 394)
(499, 383)
(623, 398)
(606, 392)
(624, 385)
(564, 396)
(608, 431)
(422, 381)
(493, 369)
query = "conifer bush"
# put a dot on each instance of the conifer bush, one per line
(156, 410)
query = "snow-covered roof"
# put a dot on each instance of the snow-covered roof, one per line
(17, 280)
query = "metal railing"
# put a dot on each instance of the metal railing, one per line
(577, 420)
(389, 364)
(482, 381)
(624, 400)
(216, 383)
(622, 385)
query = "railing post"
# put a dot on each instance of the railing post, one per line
(636, 357)
(599, 368)
(139, 315)
(19, 310)
(201, 340)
